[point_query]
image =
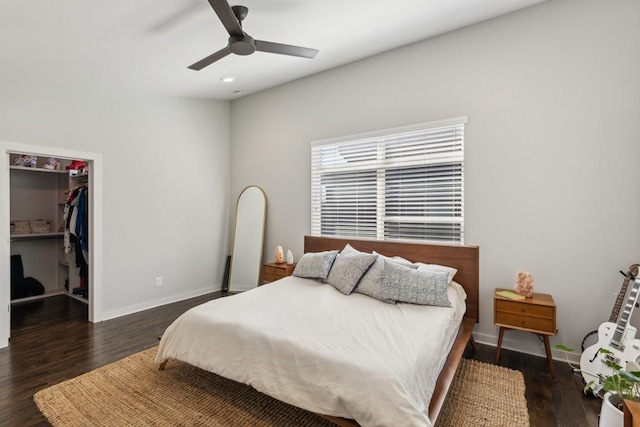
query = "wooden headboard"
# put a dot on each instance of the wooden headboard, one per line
(464, 258)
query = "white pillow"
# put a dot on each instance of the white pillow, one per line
(437, 268)
(399, 260)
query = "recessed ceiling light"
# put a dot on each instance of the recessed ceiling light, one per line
(228, 79)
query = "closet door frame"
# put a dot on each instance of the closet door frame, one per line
(95, 228)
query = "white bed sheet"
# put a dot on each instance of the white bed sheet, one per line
(305, 343)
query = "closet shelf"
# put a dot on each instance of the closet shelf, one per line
(35, 236)
(38, 169)
(80, 176)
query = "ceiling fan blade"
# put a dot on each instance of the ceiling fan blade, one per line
(210, 59)
(227, 17)
(285, 49)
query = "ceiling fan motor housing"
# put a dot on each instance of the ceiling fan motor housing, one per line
(242, 45)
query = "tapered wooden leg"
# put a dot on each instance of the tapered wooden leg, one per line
(472, 341)
(163, 364)
(547, 348)
(499, 344)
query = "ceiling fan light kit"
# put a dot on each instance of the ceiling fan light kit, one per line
(240, 43)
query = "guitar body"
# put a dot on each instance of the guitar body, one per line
(593, 364)
(619, 339)
(590, 339)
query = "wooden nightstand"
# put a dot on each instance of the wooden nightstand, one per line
(536, 314)
(275, 271)
(631, 413)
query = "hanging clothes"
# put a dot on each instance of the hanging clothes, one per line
(69, 217)
(81, 229)
(76, 217)
(76, 233)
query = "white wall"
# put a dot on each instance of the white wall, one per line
(166, 184)
(553, 98)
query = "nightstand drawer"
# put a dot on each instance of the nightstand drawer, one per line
(515, 307)
(272, 272)
(515, 320)
(270, 277)
(276, 271)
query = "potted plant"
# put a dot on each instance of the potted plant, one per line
(613, 389)
(617, 387)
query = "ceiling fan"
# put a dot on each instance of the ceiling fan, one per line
(240, 42)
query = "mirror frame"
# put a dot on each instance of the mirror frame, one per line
(237, 261)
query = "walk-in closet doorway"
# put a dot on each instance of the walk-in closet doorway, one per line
(95, 235)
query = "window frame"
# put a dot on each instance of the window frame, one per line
(381, 165)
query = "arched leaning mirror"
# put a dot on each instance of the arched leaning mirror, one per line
(248, 240)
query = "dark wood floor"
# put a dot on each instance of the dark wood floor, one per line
(51, 341)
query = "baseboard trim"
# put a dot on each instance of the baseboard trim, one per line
(112, 314)
(527, 348)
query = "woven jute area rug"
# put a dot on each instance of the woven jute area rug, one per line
(132, 392)
(485, 395)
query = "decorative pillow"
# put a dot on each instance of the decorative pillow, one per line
(348, 268)
(371, 282)
(435, 267)
(404, 284)
(315, 265)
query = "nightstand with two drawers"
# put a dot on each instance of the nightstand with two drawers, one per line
(536, 314)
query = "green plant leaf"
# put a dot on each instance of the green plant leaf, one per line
(612, 365)
(563, 347)
(630, 376)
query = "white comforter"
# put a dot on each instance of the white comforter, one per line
(305, 343)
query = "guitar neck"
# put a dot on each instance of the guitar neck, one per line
(618, 304)
(617, 339)
(613, 318)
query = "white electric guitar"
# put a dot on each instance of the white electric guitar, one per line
(619, 339)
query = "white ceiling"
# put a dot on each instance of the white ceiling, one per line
(146, 45)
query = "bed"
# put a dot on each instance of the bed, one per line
(347, 358)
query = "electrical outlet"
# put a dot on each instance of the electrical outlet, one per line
(158, 281)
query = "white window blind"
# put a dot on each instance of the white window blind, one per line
(394, 185)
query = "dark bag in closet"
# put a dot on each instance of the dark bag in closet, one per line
(17, 271)
(23, 287)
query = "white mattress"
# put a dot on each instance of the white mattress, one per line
(305, 343)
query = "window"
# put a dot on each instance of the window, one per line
(398, 184)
